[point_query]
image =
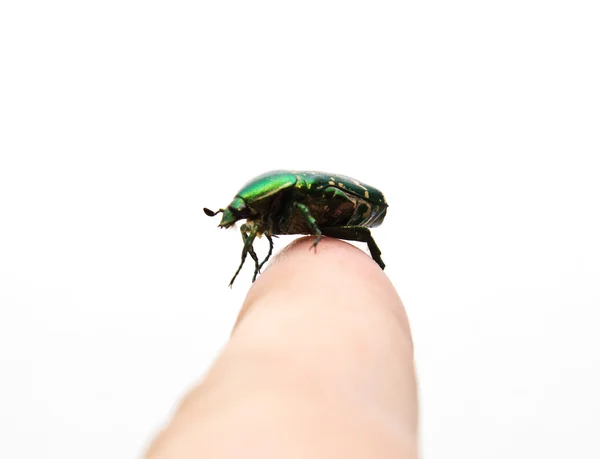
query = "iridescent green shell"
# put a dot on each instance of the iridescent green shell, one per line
(334, 200)
(304, 202)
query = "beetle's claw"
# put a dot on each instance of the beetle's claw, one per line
(314, 244)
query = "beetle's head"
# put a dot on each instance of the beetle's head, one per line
(235, 211)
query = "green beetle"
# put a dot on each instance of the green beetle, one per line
(302, 202)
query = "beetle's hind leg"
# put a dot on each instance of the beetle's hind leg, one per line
(356, 233)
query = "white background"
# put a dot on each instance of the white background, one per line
(120, 120)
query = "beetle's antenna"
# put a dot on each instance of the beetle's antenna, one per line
(210, 213)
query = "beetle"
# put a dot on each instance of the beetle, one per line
(302, 202)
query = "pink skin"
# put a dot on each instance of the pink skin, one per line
(319, 365)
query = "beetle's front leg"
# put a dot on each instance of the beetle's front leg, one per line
(267, 257)
(248, 240)
(245, 234)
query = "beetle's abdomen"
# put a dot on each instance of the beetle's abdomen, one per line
(368, 215)
(331, 208)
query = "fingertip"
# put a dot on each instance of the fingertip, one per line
(340, 308)
(333, 272)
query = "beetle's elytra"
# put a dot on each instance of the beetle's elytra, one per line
(302, 202)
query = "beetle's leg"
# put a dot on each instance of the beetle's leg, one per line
(268, 254)
(310, 221)
(248, 240)
(245, 232)
(356, 233)
(256, 264)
